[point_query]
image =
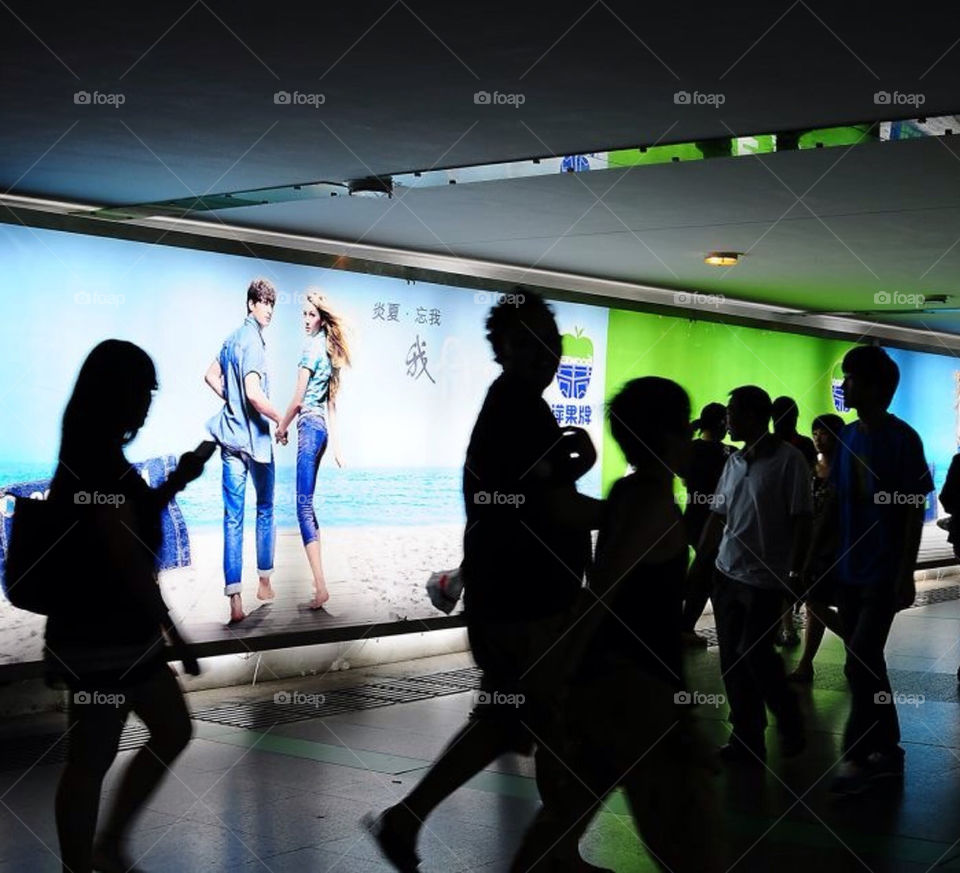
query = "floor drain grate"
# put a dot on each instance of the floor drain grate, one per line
(711, 635)
(937, 595)
(257, 714)
(21, 753)
(290, 707)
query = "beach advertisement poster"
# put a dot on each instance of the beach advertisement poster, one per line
(388, 516)
(388, 505)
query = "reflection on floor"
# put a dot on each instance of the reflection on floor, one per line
(288, 797)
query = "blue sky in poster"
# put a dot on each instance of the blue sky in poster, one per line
(927, 400)
(72, 291)
(66, 292)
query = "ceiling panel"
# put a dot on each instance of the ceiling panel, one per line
(183, 102)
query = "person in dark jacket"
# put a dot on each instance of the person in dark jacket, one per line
(786, 413)
(708, 454)
(817, 588)
(109, 649)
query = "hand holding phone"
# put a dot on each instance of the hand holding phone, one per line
(191, 464)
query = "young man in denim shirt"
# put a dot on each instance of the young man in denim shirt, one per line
(242, 428)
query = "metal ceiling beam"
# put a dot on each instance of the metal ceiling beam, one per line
(429, 266)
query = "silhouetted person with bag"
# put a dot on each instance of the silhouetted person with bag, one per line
(526, 547)
(108, 648)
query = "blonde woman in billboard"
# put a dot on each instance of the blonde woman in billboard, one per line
(314, 405)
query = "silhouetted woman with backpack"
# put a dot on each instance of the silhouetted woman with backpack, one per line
(107, 644)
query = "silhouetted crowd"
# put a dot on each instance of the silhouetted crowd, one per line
(582, 652)
(581, 648)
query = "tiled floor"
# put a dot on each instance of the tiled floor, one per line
(290, 797)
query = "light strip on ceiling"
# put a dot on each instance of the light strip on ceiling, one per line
(608, 292)
(551, 165)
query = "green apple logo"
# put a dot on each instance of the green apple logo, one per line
(836, 388)
(576, 365)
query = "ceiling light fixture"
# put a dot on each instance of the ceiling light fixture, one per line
(722, 259)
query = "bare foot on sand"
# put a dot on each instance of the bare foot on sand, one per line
(265, 591)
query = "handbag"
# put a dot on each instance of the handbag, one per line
(46, 542)
(444, 588)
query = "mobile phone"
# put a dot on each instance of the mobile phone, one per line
(205, 450)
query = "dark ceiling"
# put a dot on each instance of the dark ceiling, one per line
(825, 229)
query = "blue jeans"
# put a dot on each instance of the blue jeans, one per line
(311, 444)
(236, 465)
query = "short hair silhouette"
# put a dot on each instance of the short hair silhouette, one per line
(645, 414)
(519, 315)
(713, 417)
(871, 365)
(785, 414)
(829, 422)
(754, 400)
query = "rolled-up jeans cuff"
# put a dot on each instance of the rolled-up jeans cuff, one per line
(232, 588)
(265, 574)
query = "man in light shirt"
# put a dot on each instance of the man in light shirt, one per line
(758, 530)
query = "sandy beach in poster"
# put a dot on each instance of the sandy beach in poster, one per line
(374, 574)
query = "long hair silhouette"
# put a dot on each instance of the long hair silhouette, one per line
(107, 407)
